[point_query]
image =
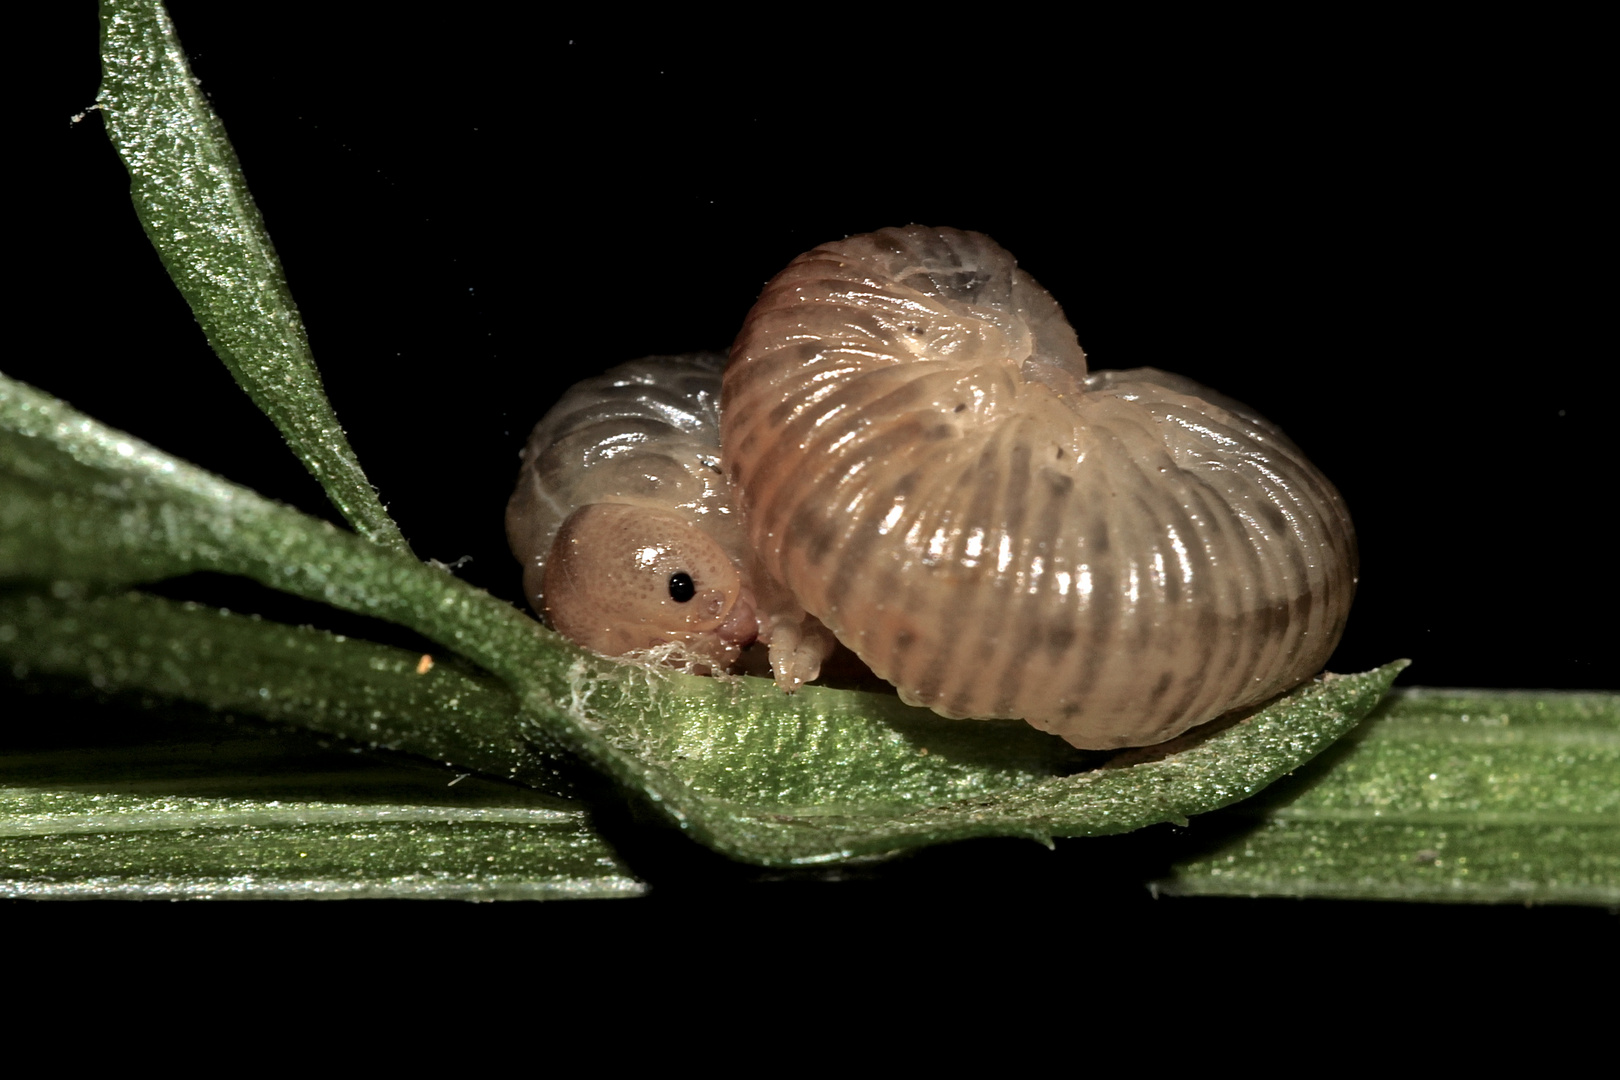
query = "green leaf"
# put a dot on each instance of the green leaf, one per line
(757, 775)
(830, 774)
(1446, 795)
(200, 812)
(84, 505)
(225, 812)
(189, 193)
(329, 683)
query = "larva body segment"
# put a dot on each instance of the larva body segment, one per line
(922, 459)
(626, 531)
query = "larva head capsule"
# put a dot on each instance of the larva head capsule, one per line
(626, 531)
(622, 578)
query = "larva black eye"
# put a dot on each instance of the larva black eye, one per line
(681, 588)
(621, 577)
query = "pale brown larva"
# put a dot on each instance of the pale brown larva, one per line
(922, 461)
(626, 531)
(921, 457)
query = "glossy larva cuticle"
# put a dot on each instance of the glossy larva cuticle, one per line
(924, 462)
(620, 509)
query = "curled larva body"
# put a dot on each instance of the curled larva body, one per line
(625, 528)
(628, 463)
(923, 461)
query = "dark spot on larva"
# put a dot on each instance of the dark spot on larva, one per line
(815, 531)
(1098, 537)
(1302, 605)
(1058, 639)
(1285, 621)
(1161, 687)
(1060, 484)
(936, 432)
(1274, 517)
(960, 408)
(914, 330)
(780, 415)
(1060, 453)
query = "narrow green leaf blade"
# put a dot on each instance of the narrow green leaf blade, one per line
(220, 812)
(851, 750)
(191, 198)
(226, 813)
(1445, 795)
(759, 776)
(244, 665)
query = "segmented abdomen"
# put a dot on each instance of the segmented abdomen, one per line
(922, 458)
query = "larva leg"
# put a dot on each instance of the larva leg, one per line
(797, 650)
(797, 640)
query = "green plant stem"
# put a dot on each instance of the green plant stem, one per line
(1443, 795)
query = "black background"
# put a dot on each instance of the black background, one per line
(1381, 237)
